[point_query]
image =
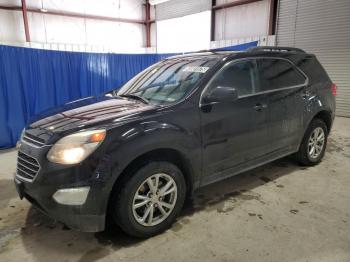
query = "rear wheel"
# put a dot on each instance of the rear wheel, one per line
(313, 146)
(150, 199)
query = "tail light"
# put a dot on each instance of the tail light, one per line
(334, 89)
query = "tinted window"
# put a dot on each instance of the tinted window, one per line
(168, 81)
(238, 75)
(313, 69)
(277, 73)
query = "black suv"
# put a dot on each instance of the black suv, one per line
(137, 152)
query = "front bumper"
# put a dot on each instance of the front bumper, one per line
(72, 216)
(92, 173)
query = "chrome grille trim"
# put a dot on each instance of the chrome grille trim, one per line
(33, 164)
(21, 178)
(32, 141)
(27, 167)
(30, 176)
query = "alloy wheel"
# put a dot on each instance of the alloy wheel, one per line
(154, 200)
(316, 143)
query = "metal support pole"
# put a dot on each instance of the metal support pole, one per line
(212, 27)
(148, 24)
(272, 17)
(25, 20)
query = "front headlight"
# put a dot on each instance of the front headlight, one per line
(75, 148)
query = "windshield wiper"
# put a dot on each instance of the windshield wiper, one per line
(140, 98)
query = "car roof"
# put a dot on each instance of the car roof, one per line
(254, 51)
(204, 54)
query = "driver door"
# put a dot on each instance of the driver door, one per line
(234, 134)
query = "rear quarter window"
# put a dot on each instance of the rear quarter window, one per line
(313, 69)
(277, 73)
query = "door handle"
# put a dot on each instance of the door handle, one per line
(259, 107)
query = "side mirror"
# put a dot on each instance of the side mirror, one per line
(221, 94)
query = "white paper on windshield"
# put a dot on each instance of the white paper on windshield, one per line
(196, 69)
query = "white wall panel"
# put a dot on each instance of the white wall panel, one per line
(188, 33)
(114, 8)
(37, 28)
(117, 34)
(58, 5)
(58, 29)
(153, 34)
(242, 21)
(66, 31)
(268, 40)
(11, 26)
(10, 2)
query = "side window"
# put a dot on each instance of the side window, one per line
(239, 75)
(277, 73)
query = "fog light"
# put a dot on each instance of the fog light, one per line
(71, 196)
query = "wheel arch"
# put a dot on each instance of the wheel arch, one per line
(326, 117)
(161, 154)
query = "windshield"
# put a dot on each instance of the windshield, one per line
(168, 81)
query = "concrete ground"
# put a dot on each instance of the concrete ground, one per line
(278, 212)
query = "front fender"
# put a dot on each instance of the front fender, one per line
(138, 139)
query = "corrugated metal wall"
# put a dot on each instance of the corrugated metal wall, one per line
(323, 28)
(178, 8)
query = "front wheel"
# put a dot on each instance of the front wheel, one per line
(150, 199)
(313, 146)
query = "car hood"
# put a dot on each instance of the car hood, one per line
(89, 112)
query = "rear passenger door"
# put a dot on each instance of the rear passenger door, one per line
(285, 86)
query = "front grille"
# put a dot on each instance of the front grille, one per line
(27, 167)
(33, 139)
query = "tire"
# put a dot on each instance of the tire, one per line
(122, 206)
(304, 157)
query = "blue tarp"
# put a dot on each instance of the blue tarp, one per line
(33, 80)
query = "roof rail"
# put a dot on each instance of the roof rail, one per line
(275, 48)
